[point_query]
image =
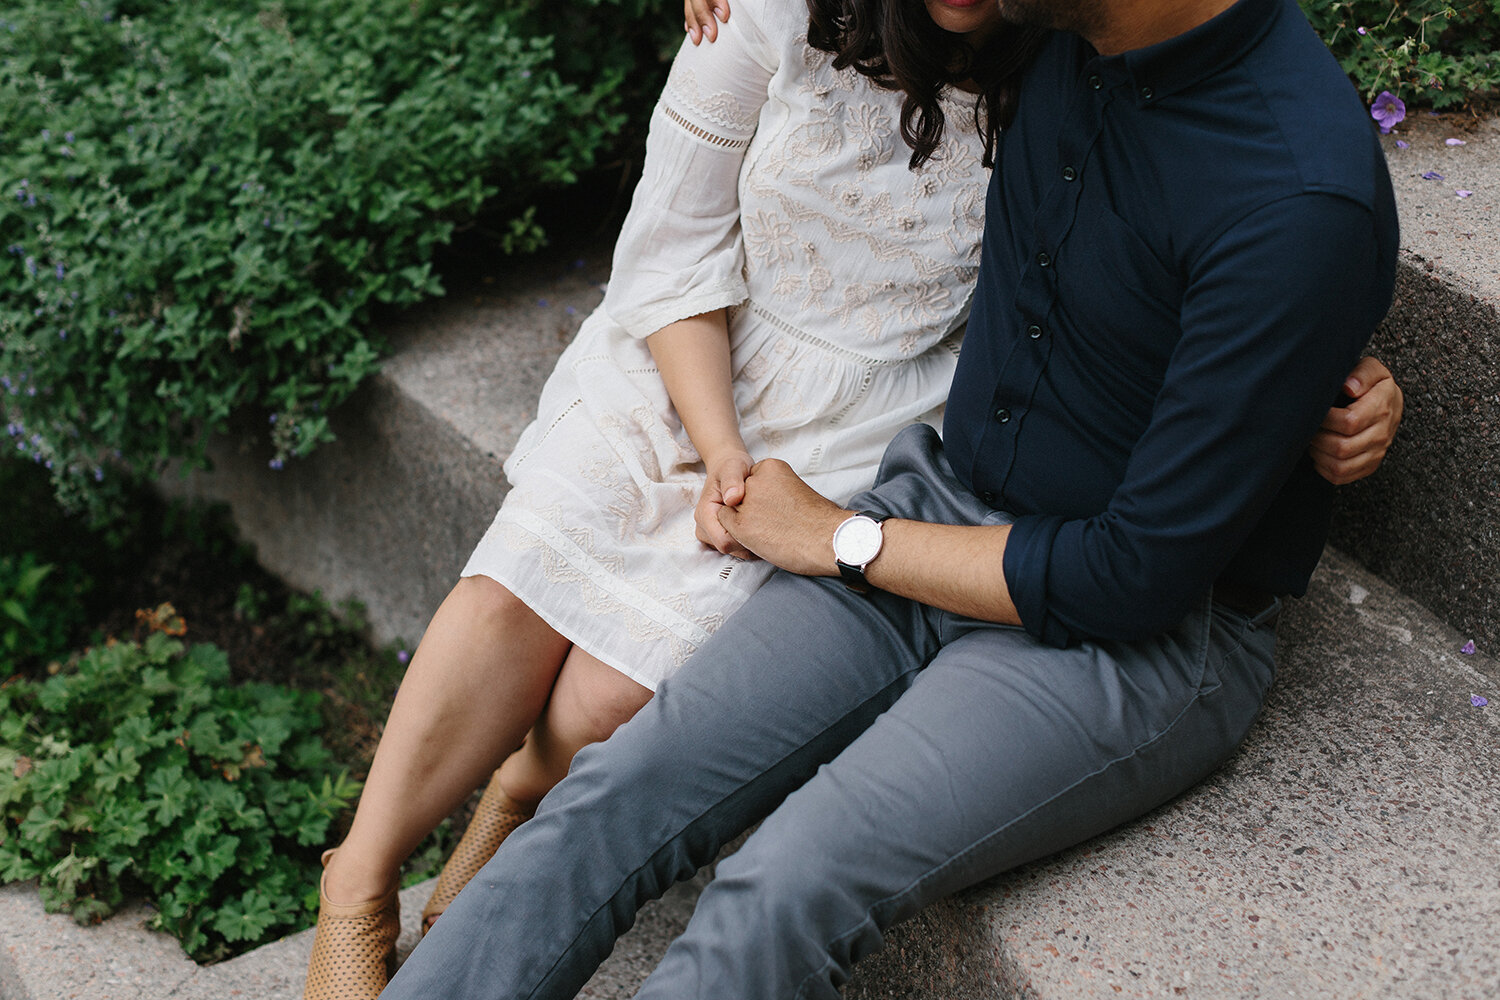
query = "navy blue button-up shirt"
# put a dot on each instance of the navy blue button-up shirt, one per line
(1188, 247)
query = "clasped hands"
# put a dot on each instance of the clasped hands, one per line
(764, 510)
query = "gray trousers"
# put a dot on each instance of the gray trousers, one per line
(896, 753)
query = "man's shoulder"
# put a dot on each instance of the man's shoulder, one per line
(1328, 134)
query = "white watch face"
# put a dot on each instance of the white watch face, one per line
(856, 541)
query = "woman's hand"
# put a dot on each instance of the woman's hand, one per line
(1353, 440)
(700, 18)
(725, 487)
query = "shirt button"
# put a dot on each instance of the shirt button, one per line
(1095, 82)
(1002, 415)
(988, 496)
(1044, 260)
(1069, 173)
(1034, 332)
(1146, 93)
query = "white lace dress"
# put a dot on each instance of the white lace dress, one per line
(779, 188)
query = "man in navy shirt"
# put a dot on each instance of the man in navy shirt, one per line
(1057, 617)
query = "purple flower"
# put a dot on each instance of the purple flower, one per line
(98, 474)
(276, 464)
(402, 656)
(1388, 111)
(1402, 144)
(1468, 648)
(1478, 700)
(1360, 30)
(542, 303)
(1463, 193)
(60, 272)
(1454, 142)
(1432, 175)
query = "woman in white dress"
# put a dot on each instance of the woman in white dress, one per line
(785, 285)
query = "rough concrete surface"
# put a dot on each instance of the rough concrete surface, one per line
(1460, 234)
(46, 956)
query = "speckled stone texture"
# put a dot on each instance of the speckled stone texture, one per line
(1351, 849)
(1429, 521)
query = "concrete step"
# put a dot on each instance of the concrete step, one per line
(1350, 849)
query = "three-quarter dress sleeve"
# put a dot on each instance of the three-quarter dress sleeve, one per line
(680, 252)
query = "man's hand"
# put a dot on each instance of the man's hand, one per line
(1353, 440)
(724, 487)
(784, 521)
(700, 18)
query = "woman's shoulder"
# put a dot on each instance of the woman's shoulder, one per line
(781, 22)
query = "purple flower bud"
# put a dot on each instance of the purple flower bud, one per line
(1388, 111)
(402, 656)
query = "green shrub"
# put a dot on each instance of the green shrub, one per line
(142, 768)
(1426, 51)
(203, 203)
(40, 610)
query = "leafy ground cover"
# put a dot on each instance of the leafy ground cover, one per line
(198, 753)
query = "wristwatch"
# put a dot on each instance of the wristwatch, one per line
(856, 543)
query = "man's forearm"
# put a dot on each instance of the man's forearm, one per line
(958, 568)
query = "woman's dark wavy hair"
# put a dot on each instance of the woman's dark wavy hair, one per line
(896, 44)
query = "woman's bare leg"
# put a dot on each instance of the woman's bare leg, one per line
(590, 700)
(479, 680)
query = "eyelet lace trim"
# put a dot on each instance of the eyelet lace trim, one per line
(711, 138)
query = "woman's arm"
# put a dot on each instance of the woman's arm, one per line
(1353, 439)
(693, 357)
